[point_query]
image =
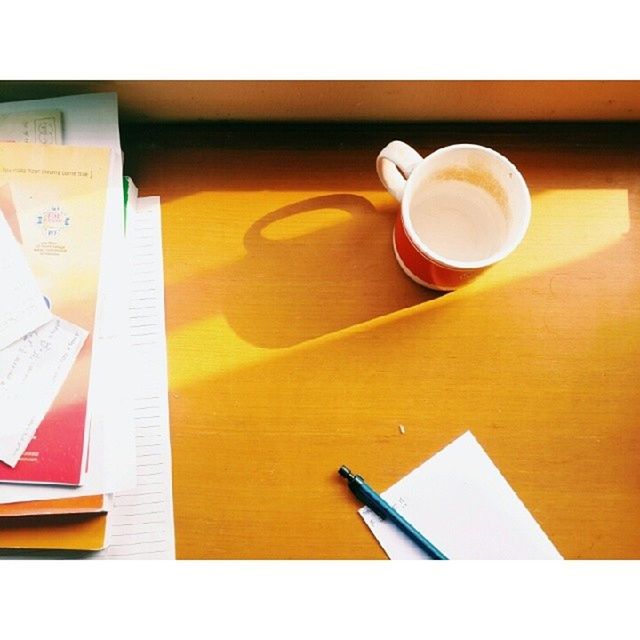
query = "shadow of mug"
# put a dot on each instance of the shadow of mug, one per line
(289, 290)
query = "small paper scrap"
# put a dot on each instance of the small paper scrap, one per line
(460, 501)
(41, 127)
(32, 371)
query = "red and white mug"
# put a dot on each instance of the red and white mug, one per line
(462, 208)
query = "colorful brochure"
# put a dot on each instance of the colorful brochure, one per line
(91, 120)
(57, 198)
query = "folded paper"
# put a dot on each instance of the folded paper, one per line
(32, 371)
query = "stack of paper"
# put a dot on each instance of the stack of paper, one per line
(84, 438)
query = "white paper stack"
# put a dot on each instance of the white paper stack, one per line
(38, 347)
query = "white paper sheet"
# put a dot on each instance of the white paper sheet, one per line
(32, 371)
(112, 458)
(22, 305)
(461, 503)
(87, 120)
(140, 522)
(41, 127)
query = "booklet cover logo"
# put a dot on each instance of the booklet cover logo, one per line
(53, 222)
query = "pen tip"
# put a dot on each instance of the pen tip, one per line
(344, 472)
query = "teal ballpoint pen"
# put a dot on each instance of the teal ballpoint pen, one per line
(371, 499)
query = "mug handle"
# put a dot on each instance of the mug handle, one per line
(394, 166)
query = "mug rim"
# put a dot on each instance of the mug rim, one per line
(429, 253)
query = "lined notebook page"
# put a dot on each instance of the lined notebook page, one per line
(140, 523)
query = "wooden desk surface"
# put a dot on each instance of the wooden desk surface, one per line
(296, 344)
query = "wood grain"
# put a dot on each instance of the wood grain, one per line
(296, 344)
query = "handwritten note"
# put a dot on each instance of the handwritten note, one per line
(461, 502)
(32, 371)
(22, 305)
(41, 127)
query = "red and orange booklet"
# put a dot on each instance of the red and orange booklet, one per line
(80, 504)
(72, 531)
(54, 199)
(68, 523)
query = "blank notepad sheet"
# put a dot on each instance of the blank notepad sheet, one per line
(459, 501)
(140, 521)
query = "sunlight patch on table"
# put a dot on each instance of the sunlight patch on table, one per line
(208, 348)
(567, 225)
